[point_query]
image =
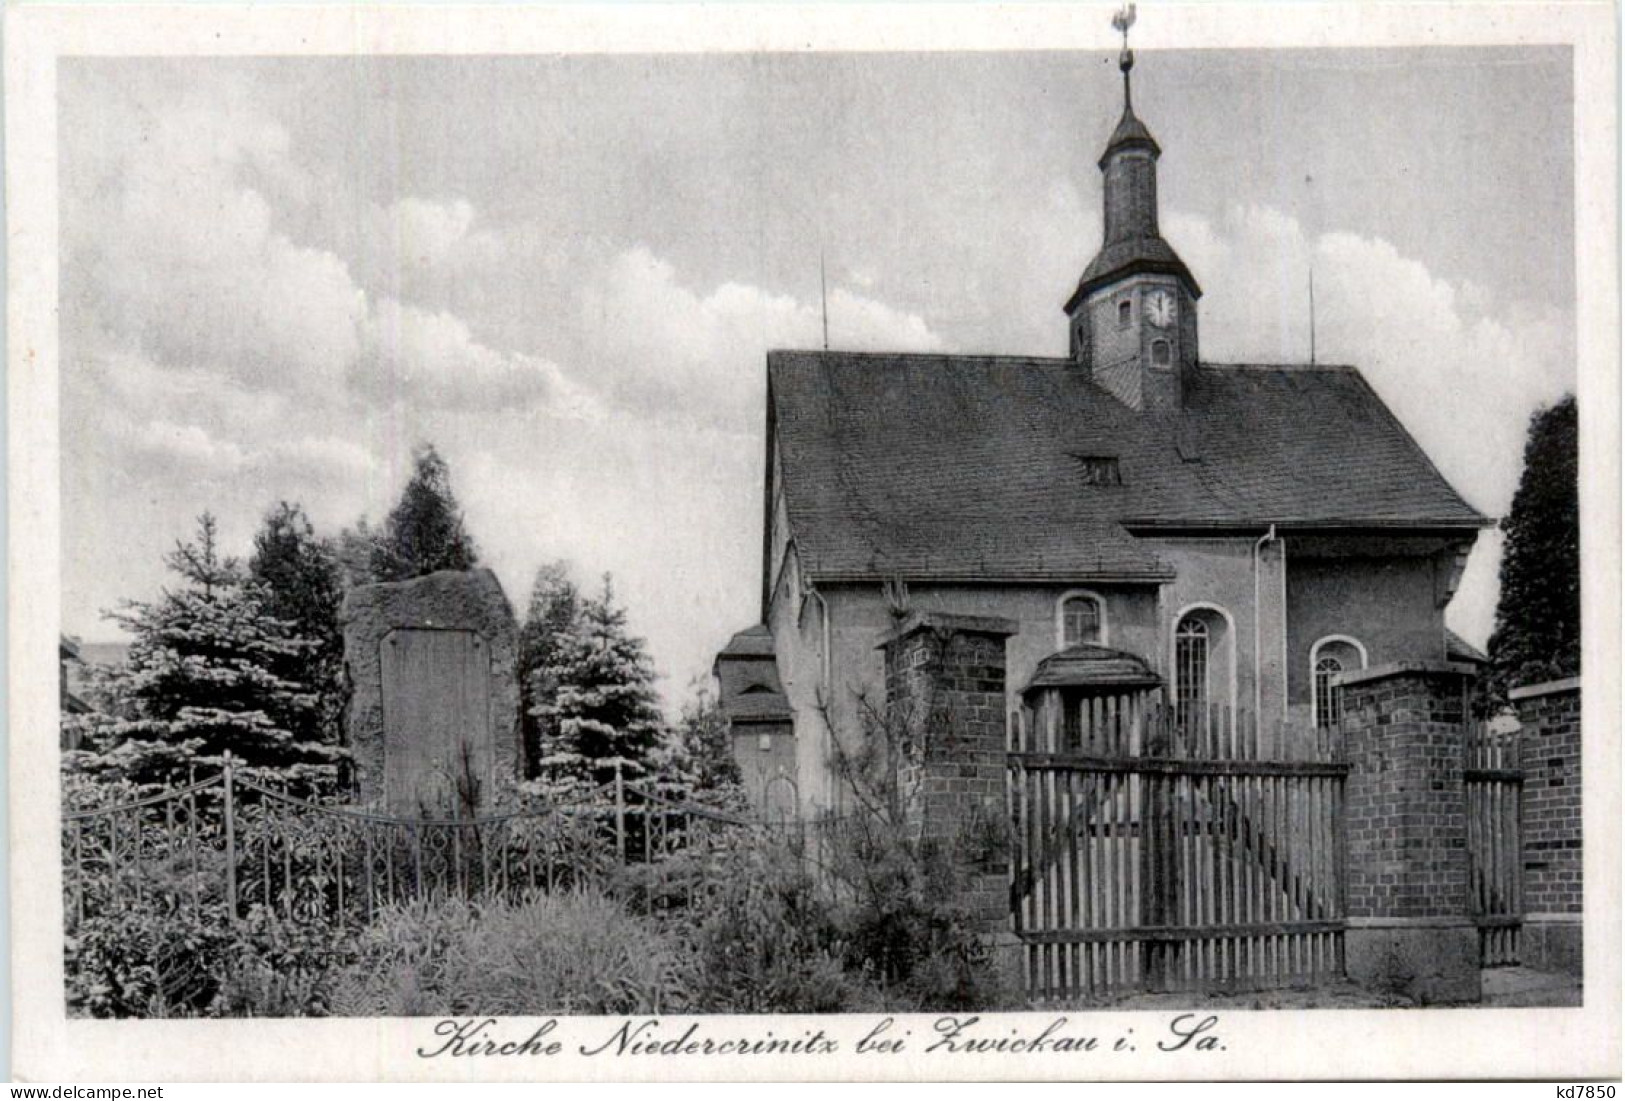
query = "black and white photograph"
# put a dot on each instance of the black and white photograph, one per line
(812, 538)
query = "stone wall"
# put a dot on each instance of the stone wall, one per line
(478, 701)
(1553, 848)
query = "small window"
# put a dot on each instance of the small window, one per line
(1160, 356)
(1080, 621)
(1328, 700)
(1100, 470)
(1125, 313)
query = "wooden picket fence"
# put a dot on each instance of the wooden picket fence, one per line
(1494, 777)
(1165, 852)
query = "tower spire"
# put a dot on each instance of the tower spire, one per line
(1122, 21)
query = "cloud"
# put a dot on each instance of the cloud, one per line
(1461, 371)
(660, 347)
(171, 246)
(432, 357)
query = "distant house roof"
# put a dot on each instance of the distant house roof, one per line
(938, 467)
(1089, 666)
(1457, 648)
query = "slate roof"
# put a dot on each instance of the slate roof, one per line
(1130, 131)
(748, 678)
(1128, 257)
(937, 466)
(1457, 648)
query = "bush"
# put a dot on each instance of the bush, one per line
(765, 939)
(147, 959)
(577, 952)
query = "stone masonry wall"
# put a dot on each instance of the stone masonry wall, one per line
(445, 601)
(1550, 750)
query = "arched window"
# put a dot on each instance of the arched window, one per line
(1190, 671)
(1080, 617)
(1080, 620)
(1328, 700)
(1159, 353)
(1328, 657)
(1125, 313)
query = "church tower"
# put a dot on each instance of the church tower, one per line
(1133, 317)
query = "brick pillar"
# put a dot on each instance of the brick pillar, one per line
(1549, 749)
(945, 679)
(1411, 930)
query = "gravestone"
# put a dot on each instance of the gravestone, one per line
(434, 712)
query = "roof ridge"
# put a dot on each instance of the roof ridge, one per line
(1000, 357)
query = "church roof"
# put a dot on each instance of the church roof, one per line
(1128, 257)
(1457, 648)
(748, 678)
(983, 467)
(1130, 131)
(752, 642)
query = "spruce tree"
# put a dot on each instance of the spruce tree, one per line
(603, 710)
(1537, 619)
(554, 610)
(300, 585)
(202, 678)
(424, 532)
(705, 749)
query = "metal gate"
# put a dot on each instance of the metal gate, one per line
(1494, 776)
(1153, 854)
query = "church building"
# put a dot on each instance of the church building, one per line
(1236, 533)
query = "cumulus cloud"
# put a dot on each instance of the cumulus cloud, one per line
(1461, 371)
(413, 354)
(660, 346)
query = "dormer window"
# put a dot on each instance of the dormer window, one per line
(1160, 353)
(1125, 313)
(1100, 470)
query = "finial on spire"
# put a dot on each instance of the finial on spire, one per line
(1122, 21)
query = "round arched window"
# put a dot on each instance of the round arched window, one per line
(1080, 620)
(1190, 671)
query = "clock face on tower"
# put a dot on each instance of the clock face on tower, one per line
(1160, 308)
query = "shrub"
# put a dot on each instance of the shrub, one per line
(147, 959)
(765, 939)
(574, 952)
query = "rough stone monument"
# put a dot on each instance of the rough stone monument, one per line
(434, 714)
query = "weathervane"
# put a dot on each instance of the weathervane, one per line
(1122, 21)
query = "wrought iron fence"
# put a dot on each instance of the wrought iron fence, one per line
(231, 842)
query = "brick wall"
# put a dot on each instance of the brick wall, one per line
(1549, 746)
(945, 681)
(1406, 793)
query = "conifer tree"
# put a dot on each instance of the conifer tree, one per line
(603, 709)
(700, 757)
(300, 584)
(425, 531)
(554, 610)
(1537, 619)
(202, 679)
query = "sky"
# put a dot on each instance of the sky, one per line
(279, 275)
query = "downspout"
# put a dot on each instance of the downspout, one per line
(1258, 629)
(823, 644)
